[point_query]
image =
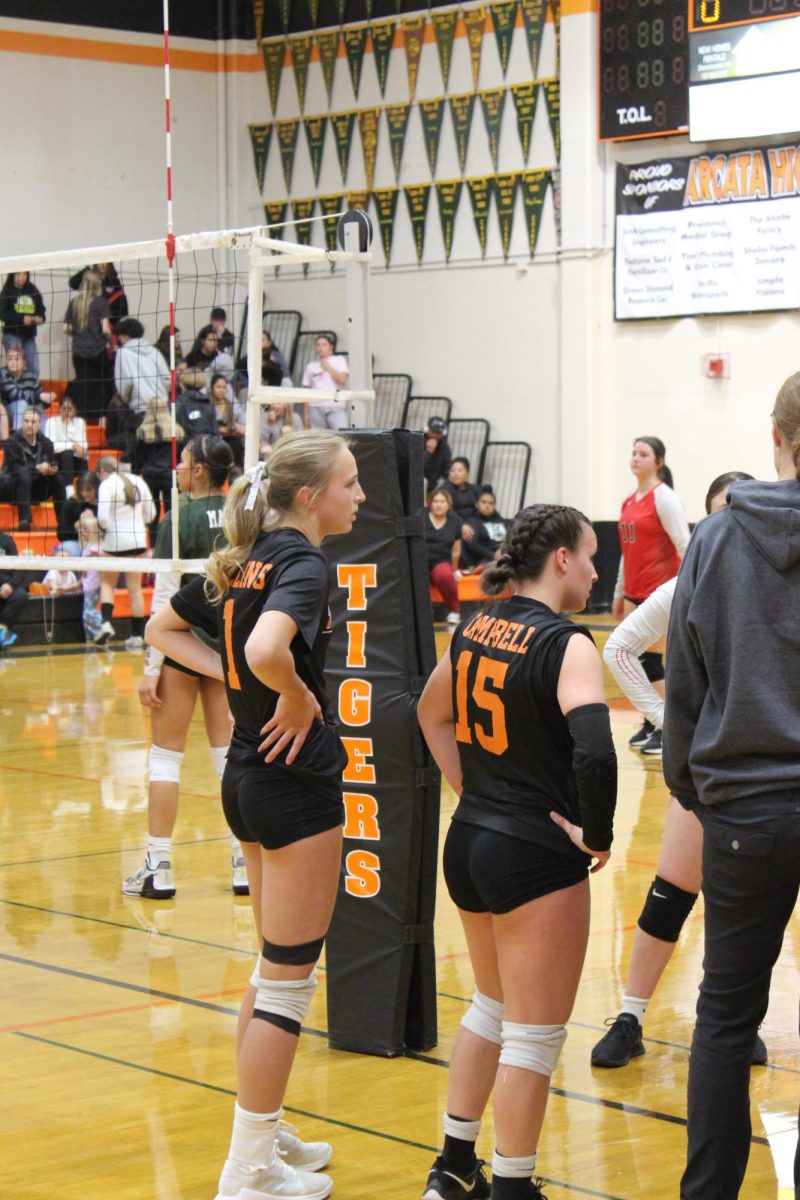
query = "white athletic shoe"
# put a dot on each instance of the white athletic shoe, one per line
(152, 882)
(307, 1156)
(453, 618)
(278, 1181)
(103, 634)
(239, 876)
(134, 643)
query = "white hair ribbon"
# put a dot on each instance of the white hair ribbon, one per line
(255, 475)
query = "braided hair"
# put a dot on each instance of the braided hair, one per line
(533, 534)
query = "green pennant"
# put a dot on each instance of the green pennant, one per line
(287, 140)
(260, 137)
(315, 136)
(258, 19)
(397, 120)
(382, 35)
(343, 129)
(505, 195)
(302, 212)
(417, 195)
(555, 8)
(504, 16)
(300, 48)
(328, 47)
(330, 204)
(461, 109)
(313, 7)
(448, 193)
(444, 28)
(552, 91)
(475, 22)
(480, 193)
(341, 5)
(533, 16)
(493, 101)
(274, 54)
(275, 212)
(386, 204)
(431, 112)
(533, 185)
(355, 41)
(368, 125)
(286, 6)
(525, 95)
(413, 37)
(358, 199)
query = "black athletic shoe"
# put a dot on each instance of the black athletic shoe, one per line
(759, 1053)
(652, 745)
(444, 1185)
(622, 1042)
(641, 735)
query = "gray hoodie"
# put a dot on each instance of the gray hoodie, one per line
(732, 717)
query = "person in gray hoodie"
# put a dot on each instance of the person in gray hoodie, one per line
(732, 755)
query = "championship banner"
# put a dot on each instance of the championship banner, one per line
(533, 185)
(285, 7)
(417, 196)
(343, 129)
(397, 120)
(448, 193)
(534, 13)
(260, 137)
(505, 197)
(480, 193)
(275, 213)
(358, 200)
(313, 8)
(300, 48)
(368, 119)
(431, 112)
(287, 140)
(302, 211)
(331, 204)
(386, 204)
(315, 128)
(552, 90)
(273, 54)
(461, 110)
(382, 34)
(355, 43)
(555, 8)
(715, 233)
(258, 19)
(525, 95)
(504, 16)
(475, 23)
(444, 28)
(493, 102)
(413, 37)
(341, 7)
(379, 956)
(328, 48)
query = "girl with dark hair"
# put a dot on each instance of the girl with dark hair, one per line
(22, 311)
(443, 548)
(515, 716)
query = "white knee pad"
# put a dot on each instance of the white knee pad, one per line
(532, 1047)
(285, 1002)
(484, 1018)
(164, 765)
(218, 756)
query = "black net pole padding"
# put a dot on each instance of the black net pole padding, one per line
(380, 958)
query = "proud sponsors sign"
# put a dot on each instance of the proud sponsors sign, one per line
(711, 234)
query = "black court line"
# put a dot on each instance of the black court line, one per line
(64, 651)
(32, 862)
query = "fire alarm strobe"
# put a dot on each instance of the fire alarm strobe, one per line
(716, 366)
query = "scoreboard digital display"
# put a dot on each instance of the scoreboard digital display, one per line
(716, 14)
(643, 66)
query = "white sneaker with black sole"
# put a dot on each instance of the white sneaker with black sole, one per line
(239, 882)
(104, 633)
(151, 882)
(277, 1181)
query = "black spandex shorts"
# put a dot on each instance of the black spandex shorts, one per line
(176, 666)
(124, 553)
(494, 872)
(277, 806)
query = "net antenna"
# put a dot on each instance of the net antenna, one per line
(170, 246)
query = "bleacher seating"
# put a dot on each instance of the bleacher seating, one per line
(283, 326)
(467, 439)
(391, 397)
(419, 410)
(505, 466)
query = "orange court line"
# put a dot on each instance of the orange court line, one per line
(113, 1012)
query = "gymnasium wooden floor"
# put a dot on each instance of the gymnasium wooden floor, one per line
(116, 1072)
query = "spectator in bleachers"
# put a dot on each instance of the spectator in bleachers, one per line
(193, 408)
(152, 456)
(488, 528)
(140, 373)
(13, 591)
(326, 372)
(443, 548)
(88, 323)
(277, 420)
(206, 354)
(124, 508)
(20, 388)
(162, 346)
(22, 311)
(438, 455)
(464, 495)
(113, 290)
(67, 432)
(273, 365)
(61, 582)
(225, 339)
(84, 500)
(89, 534)
(31, 461)
(230, 419)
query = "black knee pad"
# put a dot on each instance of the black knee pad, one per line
(293, 956)
(653, 665)
(665, 910)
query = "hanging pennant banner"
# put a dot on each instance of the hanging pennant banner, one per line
(397, 120)
(355, 42)
(301, 53)
(258, 19)
(555, 9)
(343, 129)
(315, 136)
(275, 212)
(448, 193)
(533, 185)
(505, 195)
(386, 204)
(444, 27)
(328, 47)
(475, 22)
(368, 6)
(368, 124)
(341, 5)
(260, 137)
(302, 211)
(431, 112)
(480, 193)
(504, 16)
(533, 16)
(358, 200)
(274, 54)
(413, 36)
(331, 204)
(552, 91)
(525, 103)
(417, 199)
(493, 101)
(382, 41)
(286, 6)
(313, 7)
(287, 140)
(461, 110)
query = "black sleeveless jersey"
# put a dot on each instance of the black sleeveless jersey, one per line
(284, 573)
(513, 740)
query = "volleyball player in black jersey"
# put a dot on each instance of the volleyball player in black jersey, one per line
(516, 717)
(267, 599)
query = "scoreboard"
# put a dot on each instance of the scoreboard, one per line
(643, 75)
(707, 14)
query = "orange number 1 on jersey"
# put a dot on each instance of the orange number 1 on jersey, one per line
(234, 682)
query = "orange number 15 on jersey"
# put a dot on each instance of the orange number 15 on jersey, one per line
(489, 672)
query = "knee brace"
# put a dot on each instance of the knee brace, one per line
(218, 754)
(532, 1047)
(284, 1002)
(665, 910)
(652, 665)
(293, 956)
(164, 765)
(484, 1018)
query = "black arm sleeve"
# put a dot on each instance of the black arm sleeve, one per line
(595, 763)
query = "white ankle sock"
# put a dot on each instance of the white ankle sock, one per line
(514, 1168)
(158, 850)
(253, 1136)
(636, 1006)
(465, 1131)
